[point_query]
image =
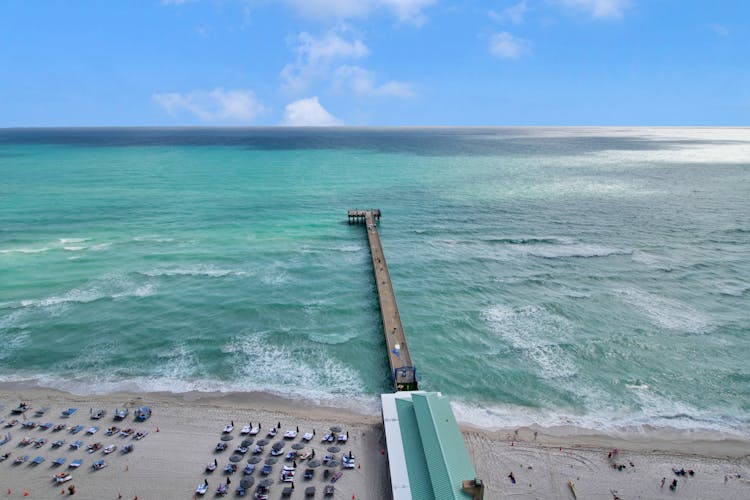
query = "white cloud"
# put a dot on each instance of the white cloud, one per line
(719, 29)
(404, 10)
(599, 9)
(362, 82)
(341, 9)
(214, 105)
(314, 58)
(408, 10)
(308, 113)
(506, 46)
(513, 14)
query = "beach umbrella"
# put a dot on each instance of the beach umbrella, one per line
(226, 437)
(335, 428)
(235, 458)
(247, 482)
(246, 442)
(298, 446)
(253, 460)
(266, 482)
(262, 442)
(314, 463)
(334, 449)
(271, 460)
(277, 446)
(333, 463)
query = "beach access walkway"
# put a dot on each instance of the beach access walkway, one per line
(402, 370)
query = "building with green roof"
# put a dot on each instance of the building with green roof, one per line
(427, 456)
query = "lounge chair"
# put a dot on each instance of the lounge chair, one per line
(220, 446)
(68, 412)
(109, 449)
(59, 461)
(58, 443)
(98, 465)
(254, 431)
(287, 492)
(76, 429)
(307, 436)
(46, 425)
(111, 431)
(266, 470)
(92, 430)
(76, 445)
(343, 438)
(291, 434)
(140, 435)
(126, 449)
(75, 463)
(221, 490)
(120, 414)
(348, 461)
(202, 488)
(308, 474)
(37, 460)
(249, 469)
(245, 430)
(62, 477)
(22, 408)
(40, 442)
(20, 459)
(98, 414)
(227, 429)
(261, 493)
(337, 476)
(143, 413)
(28, 424)
(328, 490)
(310, 491)
(94, 447)
(126, 432)
(58, 428)
(272, 433)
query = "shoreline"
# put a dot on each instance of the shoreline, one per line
(185, 427)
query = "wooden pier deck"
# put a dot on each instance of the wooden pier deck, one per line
(402, 370)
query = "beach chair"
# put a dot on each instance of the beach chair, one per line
(76, 429)
(240, 491)
(98, 465)
(328, 491)
(98, 414)
(92, 430)
(291, 434)
(245, 430)
(308, 475)
(62, 477)
(58, 443)
(254, 431)
(126, 449)
(202, 488)
(59, 461)
(28, 424)
(20, 459)
(37, 460)
(76, 445)
(307, 436)
(75, 463)
(67, 413)
(46, 425)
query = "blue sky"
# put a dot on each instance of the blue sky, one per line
(374, 62)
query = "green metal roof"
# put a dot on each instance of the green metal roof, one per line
(447, 459)
(434, 452)
(416, 463)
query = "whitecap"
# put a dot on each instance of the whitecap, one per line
(670, 314)
(195, 270)
(571, 251)
(538, 334)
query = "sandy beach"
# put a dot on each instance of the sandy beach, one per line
(170, 461)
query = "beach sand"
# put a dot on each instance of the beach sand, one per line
(184, 429)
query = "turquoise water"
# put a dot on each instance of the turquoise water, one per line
(590, 276)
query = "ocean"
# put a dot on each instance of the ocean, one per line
(588, 276)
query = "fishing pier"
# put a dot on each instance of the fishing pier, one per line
(402, 370)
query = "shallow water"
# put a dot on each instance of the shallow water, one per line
(590, 276)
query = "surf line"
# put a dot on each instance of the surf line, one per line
(402, 370)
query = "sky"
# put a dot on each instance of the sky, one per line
(374, 62)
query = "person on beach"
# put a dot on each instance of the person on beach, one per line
(662, 482)
(512, 478)
(673, 486)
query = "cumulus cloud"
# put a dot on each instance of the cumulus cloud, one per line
(214, 105)
(315, 56)
(719, 29)
(599, 9)
(408, 10)
(506, 46)
(308, 113)
(362, 82)
(341, 9)
(404, 10)
(513, 14)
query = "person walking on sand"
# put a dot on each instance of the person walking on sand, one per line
(662, 482)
